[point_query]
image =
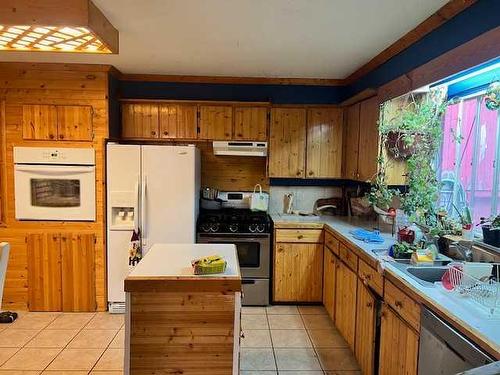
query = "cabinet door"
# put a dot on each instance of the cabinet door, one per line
(74, 122)
(250, 123)
(329, 270)
(351, 142)
(39, 122)
(324, 142)
(216, 122)
(366, 329)
(44, 272)
(140, 120)
(368, 138)
(298, 272)
(345, 302)
(398, 345)
(287, 142)
(78, 272)
(178, 121)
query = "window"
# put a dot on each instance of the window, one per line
(470, 167)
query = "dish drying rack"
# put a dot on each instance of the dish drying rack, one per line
(484, 291)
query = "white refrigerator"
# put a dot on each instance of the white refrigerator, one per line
(153, 190)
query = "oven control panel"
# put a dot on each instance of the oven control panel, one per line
(62, 156)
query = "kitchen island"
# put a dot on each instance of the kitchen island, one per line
(178, 322)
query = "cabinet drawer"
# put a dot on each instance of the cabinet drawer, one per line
(348, 257)
(332, 243)
(403, 304)
(299, 235)
(371, 277)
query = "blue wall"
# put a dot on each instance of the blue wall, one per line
(479, 18)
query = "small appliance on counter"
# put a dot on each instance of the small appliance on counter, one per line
(329, 206)
(250, 231)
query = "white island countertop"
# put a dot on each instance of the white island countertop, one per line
(174, 261)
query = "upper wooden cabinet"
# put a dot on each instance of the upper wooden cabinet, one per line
(368, 139)
(62, 122)
(178, 121)
(361, 146)
(250, 123)
(324, 143)
(140, 120)
(216, 122)
(287, 142)
(351, 142)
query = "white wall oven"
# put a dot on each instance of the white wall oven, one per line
(54, 184)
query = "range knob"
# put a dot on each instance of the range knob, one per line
(252, 228)
(214, 227)
(205, 227)
(261, 228)
(233, 228)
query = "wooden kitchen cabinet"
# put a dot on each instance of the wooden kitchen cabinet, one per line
(78, 272)
(368, 139)
(44, 272)
(345, 302)
(216, 122)
(140, 120)
(366, 328)
(74, 122)
(298, 272)
(61, 272)
(250, 123)
(287, 142)
(361, 146)
(178, 121)
(39, 122)
(324, 143)
(398, 345)
(351, 142)
(329, 272)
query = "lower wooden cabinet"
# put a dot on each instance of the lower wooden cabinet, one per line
(329, 271)
(298, 272)
(366, 329)
(398, 345)
(61, 272)
(345, 302)
(44, 272)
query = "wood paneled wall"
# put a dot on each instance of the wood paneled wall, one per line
(232, 173)
(58, 84)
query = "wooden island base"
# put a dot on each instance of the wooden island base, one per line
(182, 325)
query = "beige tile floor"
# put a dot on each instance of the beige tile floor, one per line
(291, 340)
(62, 344)
(284, 340)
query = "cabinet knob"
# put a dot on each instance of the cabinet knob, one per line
(51, 136)
(153, 133)
(300, 236)
(311, 173)
(298, 173)
(398, 304)
(61, 136)
(165, 133)
(369, 305)
(240, 135)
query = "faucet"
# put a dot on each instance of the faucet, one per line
(464, 251)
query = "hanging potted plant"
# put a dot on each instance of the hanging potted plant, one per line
(412, 123)
(492, 96)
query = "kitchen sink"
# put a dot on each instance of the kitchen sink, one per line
(429, 274)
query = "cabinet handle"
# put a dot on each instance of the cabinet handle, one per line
(300, 236)
(398, 304)
(369, 305)
(311, 173)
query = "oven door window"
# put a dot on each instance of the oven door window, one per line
(47, 192)
(248, 254)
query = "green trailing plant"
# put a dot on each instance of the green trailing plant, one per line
(380, 194)
(418, 126)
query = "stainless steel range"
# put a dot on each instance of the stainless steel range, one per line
(251, 233)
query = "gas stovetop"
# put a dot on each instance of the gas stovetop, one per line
(233, 220)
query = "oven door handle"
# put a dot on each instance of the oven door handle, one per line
(54, 171)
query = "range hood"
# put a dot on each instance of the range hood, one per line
(240, 148)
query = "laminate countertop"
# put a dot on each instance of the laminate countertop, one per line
(461, 312)
(170, 264)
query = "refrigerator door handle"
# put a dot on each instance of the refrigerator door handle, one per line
(136, 205)
(143, 208)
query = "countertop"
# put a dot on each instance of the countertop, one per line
(463, 312)
(174, 260)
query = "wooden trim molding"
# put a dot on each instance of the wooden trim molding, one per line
(445, 13)
(232, 80)
(360, 96)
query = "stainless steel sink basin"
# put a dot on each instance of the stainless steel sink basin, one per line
(429, 274)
